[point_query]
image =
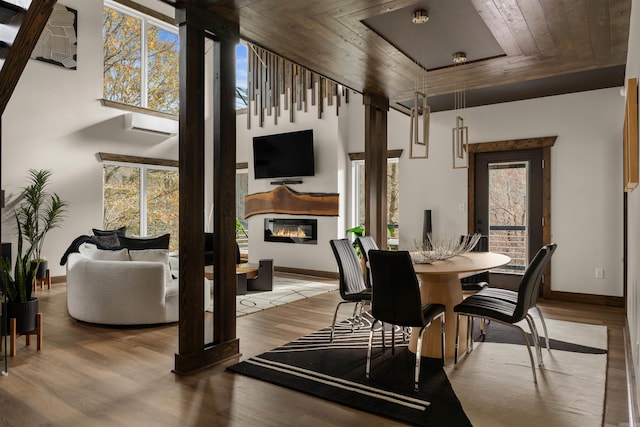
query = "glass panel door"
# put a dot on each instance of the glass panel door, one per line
(508, 208)
(508, 213)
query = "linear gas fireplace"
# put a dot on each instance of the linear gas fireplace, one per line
(291, 230)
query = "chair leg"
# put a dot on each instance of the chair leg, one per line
(335, 316)
(544, 327)
(442, 339)
(457, 347)
(393, 340)
(536, 338)
(470, 320)
(368, 366)
(416, 380)
(526, 341)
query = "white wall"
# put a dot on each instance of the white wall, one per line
(633, 256)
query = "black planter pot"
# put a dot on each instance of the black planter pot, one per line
(24, 313)
(42, 269)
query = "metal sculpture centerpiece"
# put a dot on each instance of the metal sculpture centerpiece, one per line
(438, 247)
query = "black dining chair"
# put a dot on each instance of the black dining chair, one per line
(478, 281)
(396, 300)
(505, 312)
(512, 296)
(366, 243)
(351, 282)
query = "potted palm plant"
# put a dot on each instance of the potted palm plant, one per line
(37, 213)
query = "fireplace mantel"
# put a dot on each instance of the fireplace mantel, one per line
(284, 200)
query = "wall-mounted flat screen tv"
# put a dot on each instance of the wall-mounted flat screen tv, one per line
(283, 155)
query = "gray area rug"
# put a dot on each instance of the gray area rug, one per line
(285, 290)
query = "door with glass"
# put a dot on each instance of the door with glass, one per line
(508, 207)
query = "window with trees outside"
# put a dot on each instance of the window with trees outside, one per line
(141, 58)
(145, 198)
(393, 198)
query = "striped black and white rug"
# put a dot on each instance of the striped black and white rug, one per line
(491, 387)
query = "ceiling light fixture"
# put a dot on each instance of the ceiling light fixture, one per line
(420, 16)
(460, 135)
(459, 58)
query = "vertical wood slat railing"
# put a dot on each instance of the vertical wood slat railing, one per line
(16, 51)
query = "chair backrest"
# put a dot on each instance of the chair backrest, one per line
(481, 246)
(366, 243)
(529, 284)
(395, 296)
(545, 262)
(351, 278)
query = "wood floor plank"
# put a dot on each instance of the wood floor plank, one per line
(90, 375)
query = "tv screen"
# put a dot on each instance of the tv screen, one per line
(283, 155)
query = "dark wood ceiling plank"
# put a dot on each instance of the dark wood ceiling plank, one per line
(556, 18)
(619, 19)
(598, 15)
(498, 27)
(534, 15)
(514, 19)
(576, 13)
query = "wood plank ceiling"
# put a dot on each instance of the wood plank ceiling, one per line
(547, 46)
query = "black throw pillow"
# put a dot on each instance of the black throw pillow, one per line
(120, 231)
(139, 243)
(107, 241)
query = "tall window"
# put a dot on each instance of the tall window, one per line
(140, 59)
(144, 198)
(393, 197)
(242, 100)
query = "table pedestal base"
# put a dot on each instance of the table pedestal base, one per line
(441, 289)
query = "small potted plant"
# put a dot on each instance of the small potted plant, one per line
(17, 288)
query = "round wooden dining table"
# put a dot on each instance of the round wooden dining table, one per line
(440, 283)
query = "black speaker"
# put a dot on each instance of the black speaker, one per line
(426, 225)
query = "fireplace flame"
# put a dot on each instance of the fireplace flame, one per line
(283, 232)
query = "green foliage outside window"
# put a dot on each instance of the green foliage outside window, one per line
(122, 201)
(123, 63)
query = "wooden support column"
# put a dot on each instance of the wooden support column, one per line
(224, 192)
(193, 353)
(375, 167)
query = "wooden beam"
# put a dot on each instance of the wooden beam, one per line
(25, 41)
(191, 161)
(194, 353)
(224, 171)
(375, 167)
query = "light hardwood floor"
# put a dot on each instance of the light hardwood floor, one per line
(87, 375)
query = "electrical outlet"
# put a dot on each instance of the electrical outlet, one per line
(462, 207)
(599, 273)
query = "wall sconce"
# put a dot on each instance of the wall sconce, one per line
(460, 144)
